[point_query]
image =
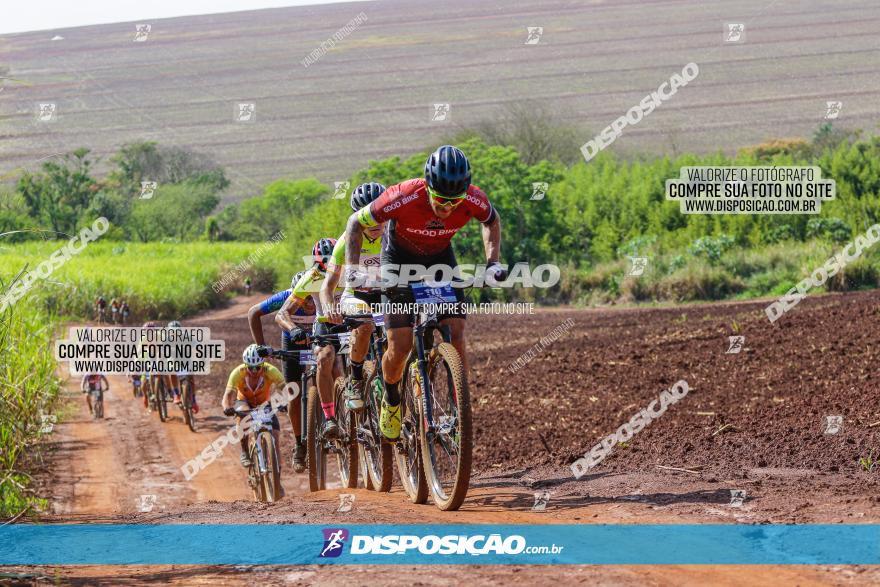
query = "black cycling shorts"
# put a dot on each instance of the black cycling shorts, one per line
(403, 295)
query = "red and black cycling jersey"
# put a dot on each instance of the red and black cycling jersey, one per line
(413, 226)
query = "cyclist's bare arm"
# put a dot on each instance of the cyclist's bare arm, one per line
(255, 324)
(492, 239)
(283, 317)
(228, 398)
(105, 385)
(328, 289)
(354, 237)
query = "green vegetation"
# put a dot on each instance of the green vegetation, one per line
(159, 280)
(28, 390)
(164, 254)
(593, 217)
(868, 463)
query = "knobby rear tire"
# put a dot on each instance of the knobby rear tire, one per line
(187, 395)
(347, 462)
(378, 466)
(161, 404)
(414, 482)
(315, 455)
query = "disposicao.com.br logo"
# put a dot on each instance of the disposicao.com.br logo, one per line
(431, 544)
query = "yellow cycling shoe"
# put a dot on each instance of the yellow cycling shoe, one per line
(389, 421)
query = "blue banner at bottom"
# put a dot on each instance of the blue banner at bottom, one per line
(289, 544)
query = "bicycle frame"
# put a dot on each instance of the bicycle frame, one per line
(426, 322)
(255, 431)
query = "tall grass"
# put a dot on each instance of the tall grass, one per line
(29, 389)
(158, 280)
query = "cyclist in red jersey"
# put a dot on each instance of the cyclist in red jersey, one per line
(422, 216)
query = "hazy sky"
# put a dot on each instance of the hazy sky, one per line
(57, 14)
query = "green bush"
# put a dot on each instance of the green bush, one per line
(833, 229)
(711, 247)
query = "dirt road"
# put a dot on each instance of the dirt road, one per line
(530, 424)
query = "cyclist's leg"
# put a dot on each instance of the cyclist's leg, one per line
(88, 395)
(194, 403)
(242, 406)
(326, 360)
(292, 371)
(326, 374)
(399, 332)
(360, 342)
(173, 383)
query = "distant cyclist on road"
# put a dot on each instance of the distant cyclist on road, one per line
(115, 309)
(150, 382)
(173, 380)
(247, 286)
(423, 215)
(100, 309)
(124, 311)
(360, 300)
(251, 383)
(93, 382)
(294, 337)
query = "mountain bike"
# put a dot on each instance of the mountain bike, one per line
(137, 389)
(97, 403)
(159, 396)
(436, 407)
(375, 454)
(317, 447)
(307, 384)
(187, 399)
(264, 472)
(100, 314)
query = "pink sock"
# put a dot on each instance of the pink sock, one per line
(329, 409)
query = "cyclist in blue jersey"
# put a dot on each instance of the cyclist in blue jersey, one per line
(291, 339)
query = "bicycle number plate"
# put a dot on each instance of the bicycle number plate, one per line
(441, 294)
(306, 358)
(379, 319)
(262, 415)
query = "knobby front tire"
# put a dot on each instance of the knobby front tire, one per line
(448, 476)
